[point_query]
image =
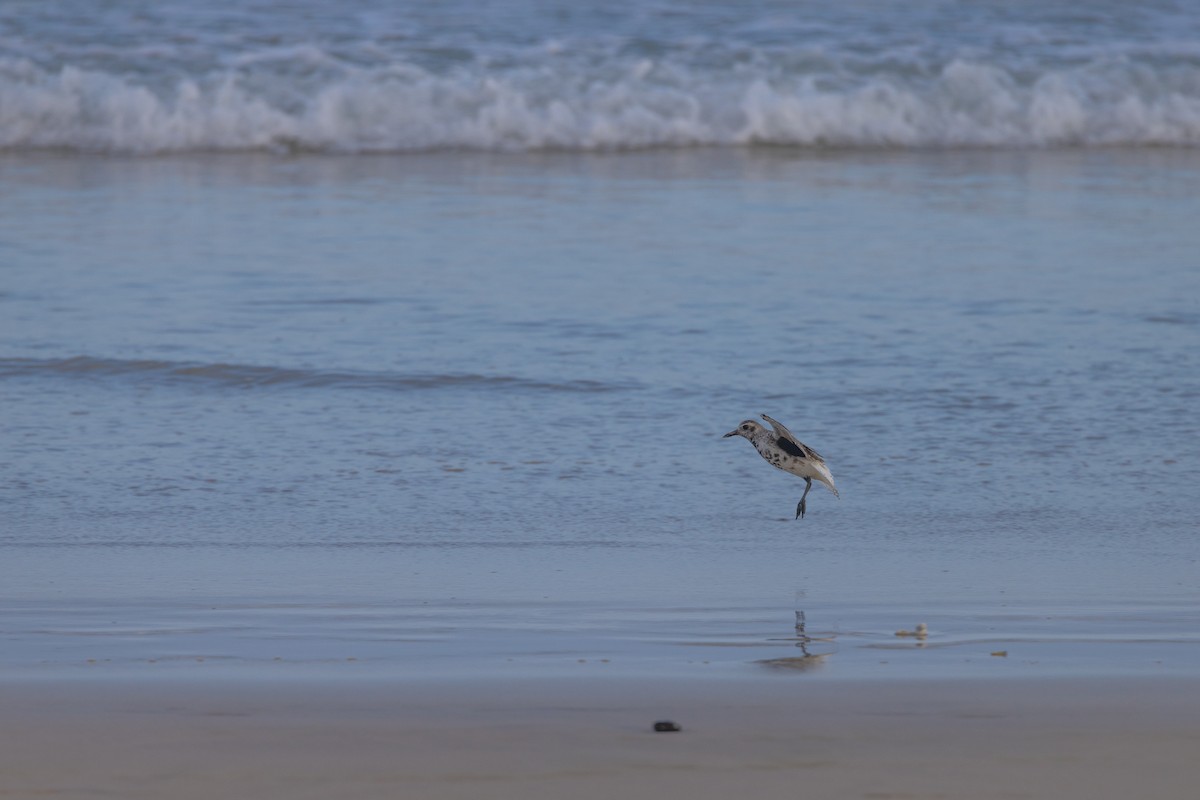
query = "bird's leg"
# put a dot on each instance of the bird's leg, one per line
(800, 505)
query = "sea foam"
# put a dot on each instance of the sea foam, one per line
(640, 103)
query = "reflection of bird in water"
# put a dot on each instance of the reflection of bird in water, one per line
(806, 661)
(802, 638)
(783, 450)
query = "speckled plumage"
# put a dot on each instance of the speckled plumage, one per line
(783, 450)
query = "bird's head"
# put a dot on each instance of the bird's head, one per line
(747, 429)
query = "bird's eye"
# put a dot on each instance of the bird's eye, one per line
(745, 427)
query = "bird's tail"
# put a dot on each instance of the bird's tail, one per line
(826, 477)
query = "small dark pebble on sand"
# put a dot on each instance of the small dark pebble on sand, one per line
(666, 726)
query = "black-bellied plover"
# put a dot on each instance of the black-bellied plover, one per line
(783, 450)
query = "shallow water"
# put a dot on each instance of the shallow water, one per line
(408, 335)
(320, 398)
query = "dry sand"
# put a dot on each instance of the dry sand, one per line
(773, 736)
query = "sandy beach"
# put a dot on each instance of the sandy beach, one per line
(778, 735)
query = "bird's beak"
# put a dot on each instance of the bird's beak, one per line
(731, 433)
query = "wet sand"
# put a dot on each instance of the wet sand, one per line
(776, 735)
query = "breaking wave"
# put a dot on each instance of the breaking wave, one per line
(640, 103)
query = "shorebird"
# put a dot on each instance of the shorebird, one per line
(783, 450)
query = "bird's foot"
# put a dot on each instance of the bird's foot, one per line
(800, 510)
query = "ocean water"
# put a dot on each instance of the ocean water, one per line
(401, 341)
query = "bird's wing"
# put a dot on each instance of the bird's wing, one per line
(784, 433)
(779, 429)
